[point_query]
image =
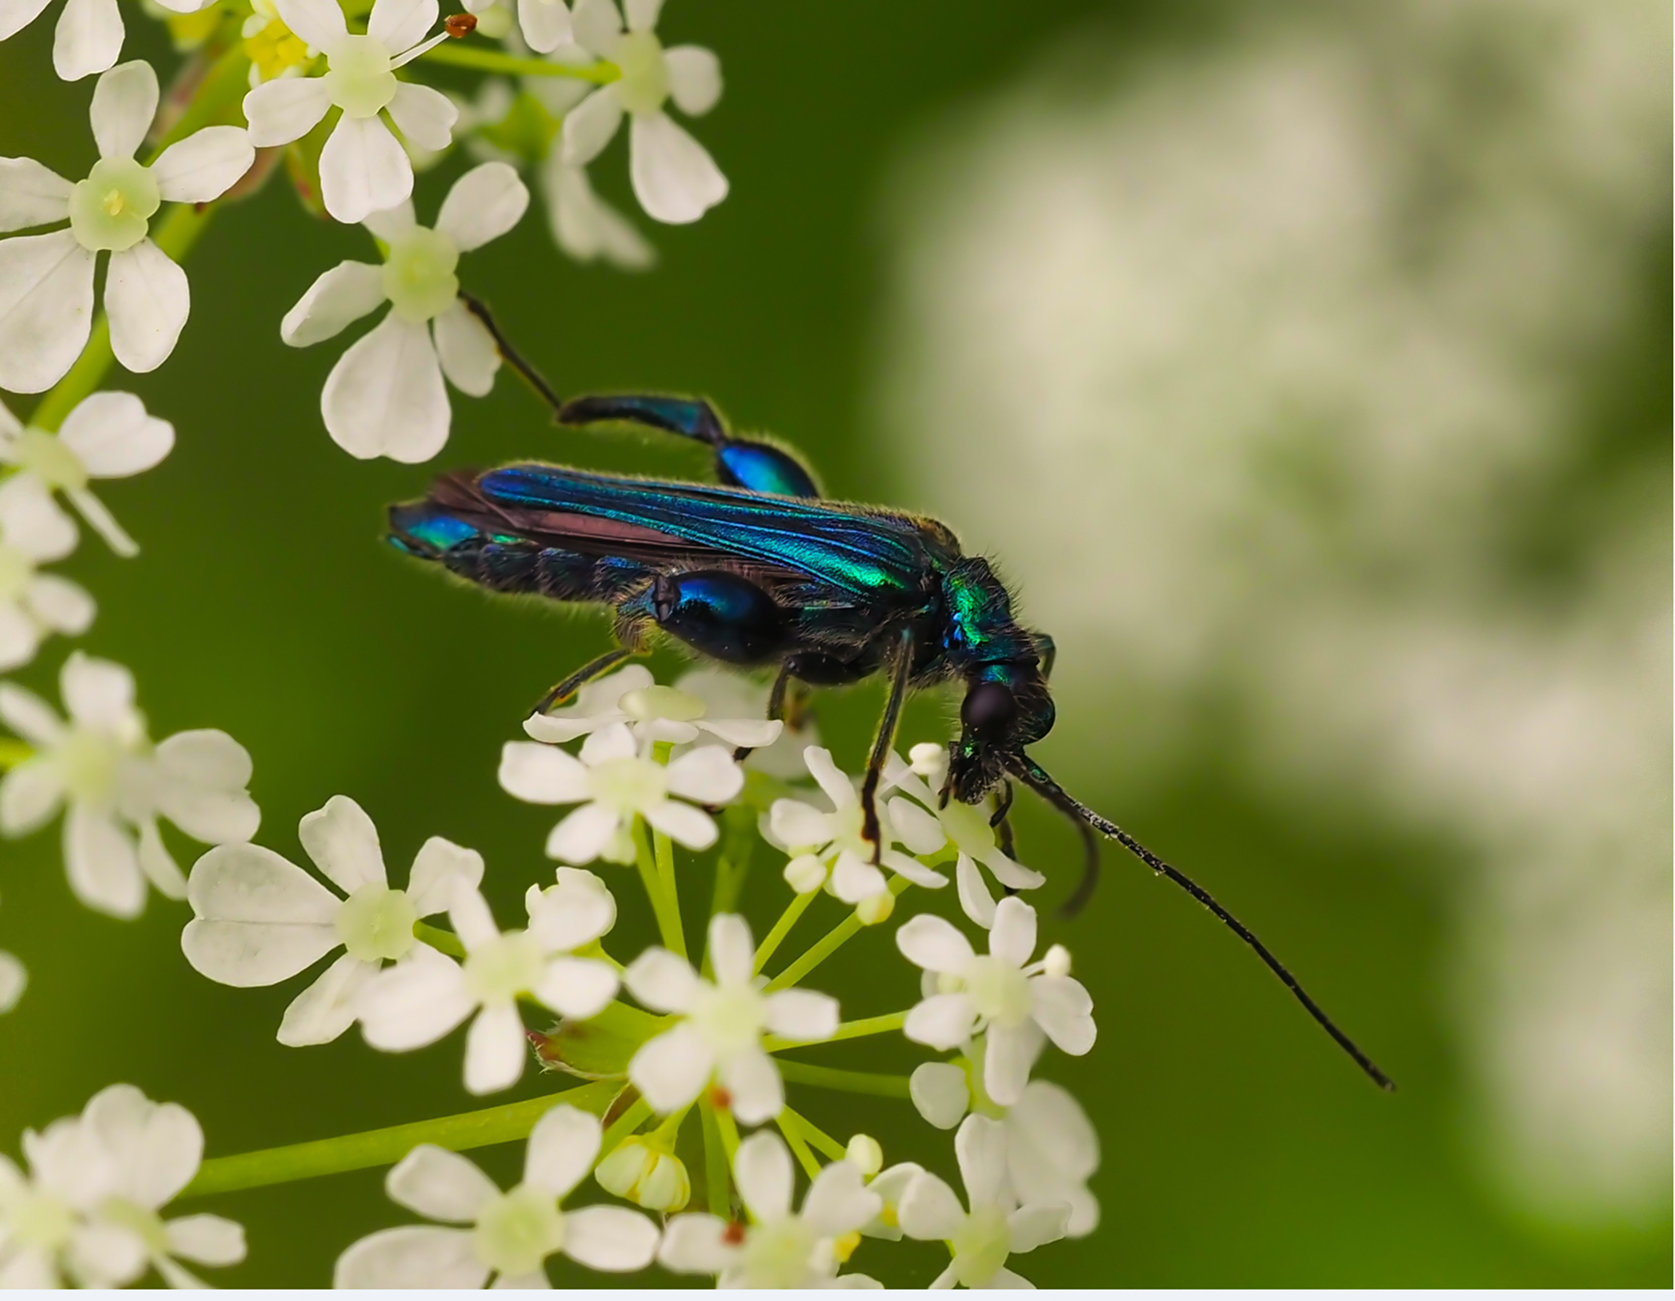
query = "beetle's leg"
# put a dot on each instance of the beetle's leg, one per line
(510, 355)
(597, 667)
(740, 462)
(776, 706)
(901, 672)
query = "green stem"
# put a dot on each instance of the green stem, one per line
(465, 56)
(799, 1146)
(848, 1030)
(439, 939)
(13, 752)
(175, 235)
(738, 843)
(787, 919)
(377, 1147)
(729, 1132)
(830, 1077)
(668, 928)
(834, 940)
(665, 853)
(622, 1126)
(833, 1149)
(716, 1173)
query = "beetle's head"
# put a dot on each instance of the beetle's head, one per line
(1006, 707)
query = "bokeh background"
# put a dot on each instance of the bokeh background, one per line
(1307, 368)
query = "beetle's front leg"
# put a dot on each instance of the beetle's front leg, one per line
(901, 672)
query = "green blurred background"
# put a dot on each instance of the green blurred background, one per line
(956, 231)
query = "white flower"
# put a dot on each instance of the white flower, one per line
(925, 828)
(259, 919)
(585, 226)
(995, 1227)
(46, 281)
(614, 782)
(653, 713)
(890, 1185)
(830, 844)
(731, 695)
(545, 24)
(509, 1235)
(722, 1023)
(363, 168)
(1017, 1005)
(32, 604)
(274, 49)
(14, 979)
(385, 396)
(89, 34)
(88, 1206)
(1052, 1149)
(416, 1002)
(104, 770)
(780, 1249)
(105, 436)
(674, 178)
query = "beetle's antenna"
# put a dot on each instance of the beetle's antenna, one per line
(510, 355)
(1036, 778)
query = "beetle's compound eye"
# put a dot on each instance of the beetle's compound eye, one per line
(989, 709)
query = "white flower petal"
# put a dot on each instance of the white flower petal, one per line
(155, 1147)
(754, 733)
(440, 869)
(975, 900)
(589, 126)
(29, 795)
(259, 918)
(933, 943)
(97, 693)
(597, 25)
(912, 869)
(682, 823)
(642, 14)
(158, 864)
(363, 169)
(942, 1021)
(285, 109)
(732, 953)
(1030, 1227)
(577, 910)
(60, 605)
(661, 981)
(1009, 873)
(124, 104)
(609, 1238)
(672, 1069)
(837, 1202)
(980, 1147)
(326, 1008)
(495, 1049)
(424, 115)
(706, 775)
(916, 828)
(929, 1210)
(541, 774)
(577, 987)
(752, 1082)
(415, 1002)
(828, 776)
(614, 741)
(561, 1149)
(469, 915)
(696, 1244)
(15, 15)
(401, 24)
(28, 715)
(694, 78)
(469, 358)
(1009, 1055)
(147, 299)
(440, 1185)
(584, 225)
(1050, 1124)
(802, 1014)
(20, 636)
(113, 437)
(203, 166)
(46, 308)
(1012, 938)
(88, 38)
(413, 1256)
(390, 224)
(762, 1170)
(32, 521)
(14, 979)
(545, 24)
(1063, 1008)
(385, 396)
(483, 204)
(855, 879)
(674, 177)
(319, 22)
(31, 194)
(940, 1093)
(102, 863)
(206, 1239)
(343, 843)
(336, 299)
(583, 835)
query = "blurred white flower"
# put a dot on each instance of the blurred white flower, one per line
(674, 178)
(416, 1002)
(890, 1185)
(780, 1248)
(827, 848)
(89, 34)
(46, 281)
(34, 605)
(385, 395)
(105, 436)
(544, 24)
(719, 1034)
(653, 713)
(259, 919)
(14, 979)
(642, 1170)
(363, 168)
(1052, 1149)
(614, 782)
(273, 48)
(1017, 1004)
(925, 828)
(103, 770)
(585, 226)
(994, 1228)
(729, 694)
(507, 1236)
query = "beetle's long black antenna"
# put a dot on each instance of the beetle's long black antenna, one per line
(1035, 777)
(510, 355)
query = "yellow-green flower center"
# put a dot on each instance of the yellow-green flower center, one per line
(730, 1017)
(967, 826)
(777, 1254)
(661, 702)
(998, 990)
(518, 1230)
(628, 785)
(376, 922)
(981, 1246)
(142, 1223)
(87, 763)
(359, 79)
(46, 457)
(504, 967)
(644, 84)
(39, 1219)
(419, 277)
(112, 208)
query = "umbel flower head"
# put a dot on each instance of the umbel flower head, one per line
(504, 1236)
(46, 281)
(105, 436)
(259, 919)
(363, 168)
(32, 604)
(114, 785)
(385, 395)
(89, 34)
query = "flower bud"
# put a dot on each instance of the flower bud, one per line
(876, 908)
(805, 873)
(929, 760)
(1057, 961)
(643, 1174)
(865, 1154)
